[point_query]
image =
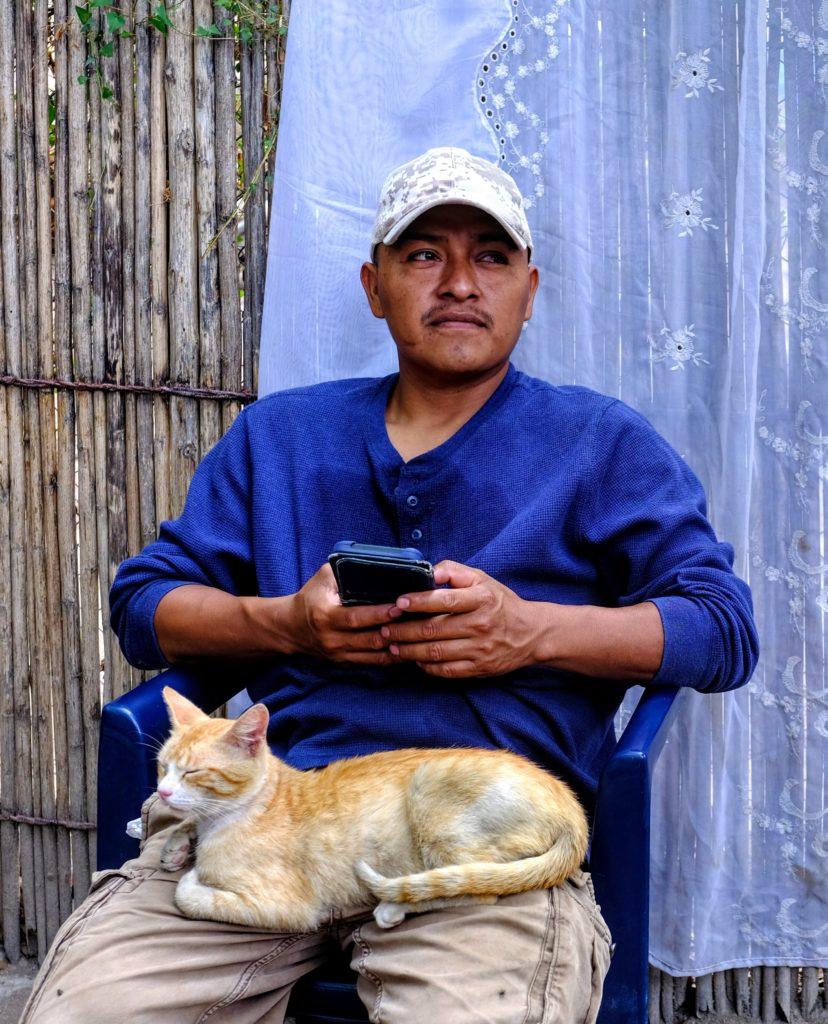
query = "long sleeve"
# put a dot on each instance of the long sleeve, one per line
(646, 526)
(209, 543)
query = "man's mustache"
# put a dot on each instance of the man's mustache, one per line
(452, 313)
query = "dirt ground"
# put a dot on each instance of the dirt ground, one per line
(15, 985)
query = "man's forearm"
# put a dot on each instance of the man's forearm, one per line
(612, 643)
(194, 622)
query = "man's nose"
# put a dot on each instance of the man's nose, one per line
(459, 280)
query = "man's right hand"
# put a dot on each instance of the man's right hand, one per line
(194, 622)
(324, 627)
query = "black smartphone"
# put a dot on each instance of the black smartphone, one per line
(375, 574)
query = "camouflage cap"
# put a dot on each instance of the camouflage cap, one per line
(449, 175)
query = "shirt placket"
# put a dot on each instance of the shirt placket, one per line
(413, 508)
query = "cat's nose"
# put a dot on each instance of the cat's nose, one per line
(164, 793)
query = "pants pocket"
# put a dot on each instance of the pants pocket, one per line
(101, 878)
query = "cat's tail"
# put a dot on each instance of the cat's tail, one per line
(480, 878)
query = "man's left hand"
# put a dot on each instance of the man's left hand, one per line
(478, 627)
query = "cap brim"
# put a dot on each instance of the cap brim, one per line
(449, 200)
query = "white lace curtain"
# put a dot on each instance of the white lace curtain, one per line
(674, 157)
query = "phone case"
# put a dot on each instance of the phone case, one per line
(373, 574)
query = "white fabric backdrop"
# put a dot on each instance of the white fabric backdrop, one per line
(673, 155)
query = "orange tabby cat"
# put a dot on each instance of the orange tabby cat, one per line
(415, 829)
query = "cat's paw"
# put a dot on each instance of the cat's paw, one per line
(388, 915)
(177, 852)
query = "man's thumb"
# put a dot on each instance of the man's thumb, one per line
(455, 573)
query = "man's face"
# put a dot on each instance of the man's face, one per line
(454, 290)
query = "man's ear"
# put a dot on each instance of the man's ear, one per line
(249, 729)
(182, 711)
(534, 277)
(369, 276)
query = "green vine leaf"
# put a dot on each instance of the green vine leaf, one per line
(208, 30)
(161, 20)
(84, 14)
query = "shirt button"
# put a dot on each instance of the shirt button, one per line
(416, 534)
(412, 500)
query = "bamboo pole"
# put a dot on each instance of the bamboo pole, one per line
(704, 994)
(183, 242)
(209, 313)
(9, 871)
(810, 991)
(768, 994)
(272, 97)
(51, 613)
(143, 293)
(132, 453)
(71, 771)
(680, 986)
(667, 1004)
(756, 992)
(228, 259)
(654, 1000)
(117, 292)
(66, 442)
(84, 708)
(98, 352)
(158, 274)
(36, 590)
(783, 991)
(721, 1000)
(742, 991)
(252, 89)
(16, 281)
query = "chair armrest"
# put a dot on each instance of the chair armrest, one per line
(620, 852)
(133, 729)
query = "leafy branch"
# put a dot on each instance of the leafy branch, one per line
(243, 19)
(241, 202)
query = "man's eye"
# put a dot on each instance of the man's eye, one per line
(423, 255)
(495, 257)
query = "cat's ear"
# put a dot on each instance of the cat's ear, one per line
(249, 729)
(182, 711)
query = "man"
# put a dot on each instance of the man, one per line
(574, 558)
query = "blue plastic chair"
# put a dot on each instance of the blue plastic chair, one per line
(133, 726)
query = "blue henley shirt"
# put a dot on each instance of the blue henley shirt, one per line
(560, 493)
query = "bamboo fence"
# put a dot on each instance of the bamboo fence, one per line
(134, 239)
(125, 353)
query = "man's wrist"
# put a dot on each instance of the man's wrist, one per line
(273, 620)
(613, 643)
(552, 625)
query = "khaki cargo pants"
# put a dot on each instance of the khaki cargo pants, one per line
(127, 956)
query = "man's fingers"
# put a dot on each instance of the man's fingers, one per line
(449, 669)
(438, 602)
(370, 658)
(435, 627)
(436, 650)
(358, 641)
(456, 574)
(360, 616)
